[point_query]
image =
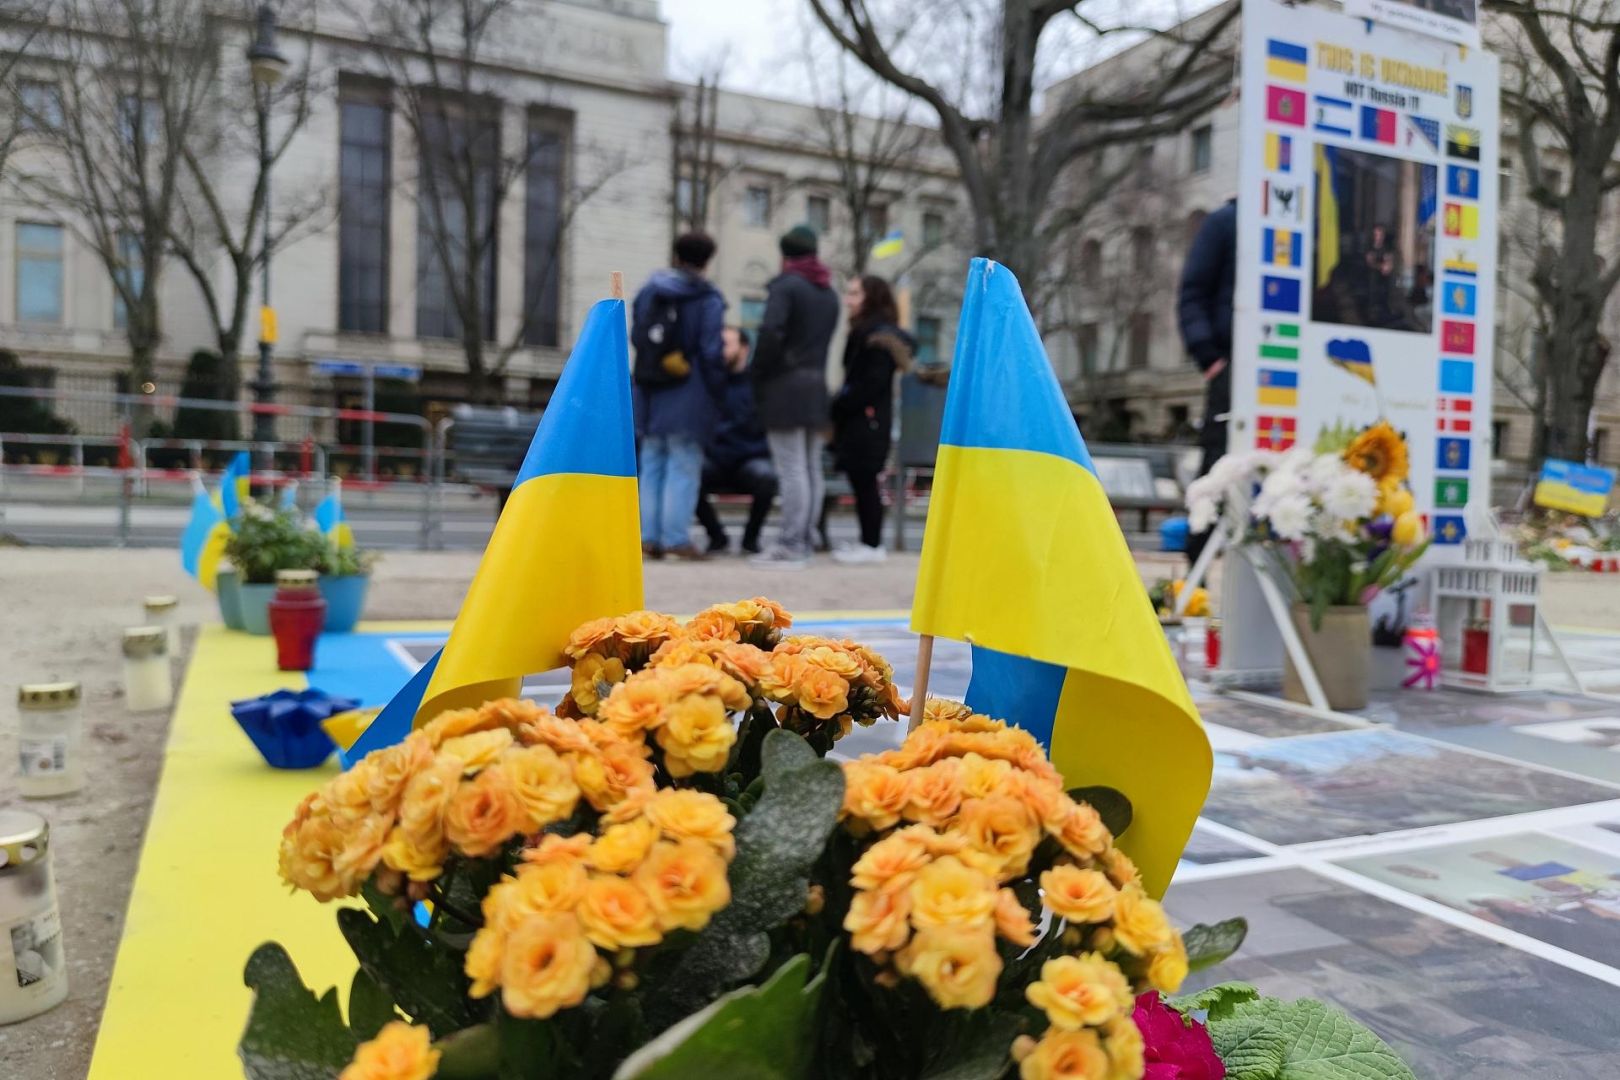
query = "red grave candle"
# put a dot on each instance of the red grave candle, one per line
(297, 613)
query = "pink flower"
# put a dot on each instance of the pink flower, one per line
(1176, 1047)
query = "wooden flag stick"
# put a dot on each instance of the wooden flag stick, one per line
(919, 685)
(616, 288)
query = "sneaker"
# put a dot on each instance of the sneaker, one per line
(857, 554)
(751, 547)
(688, 552)
(718, 545)
(780, 559)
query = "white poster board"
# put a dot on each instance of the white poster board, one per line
(1454, 20)
(1366, 270)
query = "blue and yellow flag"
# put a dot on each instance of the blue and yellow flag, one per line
(329, 517)
(567, 548)
(235, 485)
(892, 243)
(1023, 559)
(203, 541)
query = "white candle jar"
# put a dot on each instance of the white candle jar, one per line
(164, 611)
(50, 719)
(33, 971)
(147, 685)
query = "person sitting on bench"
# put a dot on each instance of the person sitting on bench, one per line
(738, 459)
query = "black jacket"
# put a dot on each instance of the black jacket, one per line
(790, 360)
(1204, 306)
(863, 409)
(738, 438)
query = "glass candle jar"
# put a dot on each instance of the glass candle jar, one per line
(50, 717)
(33, 972)
(297, 613)
(164, 611)
(147, 685)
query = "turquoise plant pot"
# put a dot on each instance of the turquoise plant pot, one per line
(345, 600)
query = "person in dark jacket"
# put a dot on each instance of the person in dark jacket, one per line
(875, 350)
(675, 418)
(1204, 310)
(790, 389)
(737, 459)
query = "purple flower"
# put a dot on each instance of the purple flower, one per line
(1176, 1047)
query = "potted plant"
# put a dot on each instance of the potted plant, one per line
(265, 541)
(345, 578)
(1340, 526)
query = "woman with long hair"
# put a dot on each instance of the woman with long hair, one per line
(875, 350)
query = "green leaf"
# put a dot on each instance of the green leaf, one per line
(974, 1046)
(777, 844)
(370, 1007)
(1217, 1001)
(393, 910)
(470, 1054)
(1208, 945)
(423, 977)
(764, 1033)
(1315, 1040)
(1111, 804)
(291, 1035)
(533, 1049)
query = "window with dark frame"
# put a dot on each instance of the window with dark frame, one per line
(444, 236)
(1203, 141)
(543, 232)
(927, 334)
(818, 213)
(877, 221)
(40, 106)
(1500, 431)
(1141, 341)
(39, 272)
(131, 273)
(364, 188)
(933, 228)
(1088, 339)
(757, 207)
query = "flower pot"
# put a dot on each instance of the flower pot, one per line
(1340, 652)
(345, 600)
(256, 608)
(228, 586)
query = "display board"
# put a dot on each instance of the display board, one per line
(1453, 20)
(1366, 272)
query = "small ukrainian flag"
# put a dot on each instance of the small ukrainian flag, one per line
(203, 541)
(567, 548)
(1023, 559)
(1278, 387)
(892, 244)
(1285, 60)
(235, 485)
(329, 517)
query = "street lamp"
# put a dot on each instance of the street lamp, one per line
(268, 66)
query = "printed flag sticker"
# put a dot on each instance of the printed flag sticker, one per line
(1353, 356)
(1284, 106)
(1460, 265)
(1285, 60)
(1278, 387)
(1462, 182)
(1279, 294)
(1462, 142)
(1275, 433)
(1455, 415)
(1282, 202)
(1457, 337)
(1456, 376)
(1279, 152)
(1451, 492)
(1451, 454)
(1462, 220)
(1334, 115)
(1378, 124)
(1422, 133)
(1457, 298)
(1279, 341)
(1449, 529)
(1280, 247)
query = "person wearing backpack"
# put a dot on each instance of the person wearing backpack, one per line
(680, 382)
(790, 390)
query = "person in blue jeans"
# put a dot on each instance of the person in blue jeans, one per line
(680, 382)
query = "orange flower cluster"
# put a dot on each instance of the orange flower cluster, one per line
(965, 810)
(821, 684)
(658, 864)
(466, 783)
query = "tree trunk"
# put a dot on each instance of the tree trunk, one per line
(1575, 351)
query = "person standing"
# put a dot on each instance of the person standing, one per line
(1204, 311)
(790, 389)
(679, 383)
(737, 458)
(863, 409)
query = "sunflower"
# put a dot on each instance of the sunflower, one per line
(1380, 452)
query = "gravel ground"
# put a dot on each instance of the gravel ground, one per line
(63, 613)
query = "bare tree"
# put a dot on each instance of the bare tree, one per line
(21, 25)
(134, 77)
(434, 53)
(213, 224)
(695, 139)
(1562, 90)
(1011, 164)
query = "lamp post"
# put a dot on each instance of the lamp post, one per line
(268, 66)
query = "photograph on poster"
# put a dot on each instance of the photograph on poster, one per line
(1451, 20)
(1374, 249)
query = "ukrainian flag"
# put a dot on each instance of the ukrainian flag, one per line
(567, 548)
(1285, 60)
(1023, 559)
(329, 517)
(1327, 216)
(203, 541)
(891, 245)
(235, 485)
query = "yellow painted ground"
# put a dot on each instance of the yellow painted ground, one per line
(206, 893)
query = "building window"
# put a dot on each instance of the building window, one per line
(933, 229)
(1203, 139)
(1499, 438)
(457, 152)
(140, 118)
(1600, 440)
(542, 237)
(691, 199)
(39, 273)
(363, 197)
(1141, 343)
(757, 207)
(818, 213)
(1087, 340)
(1142, 250)
(927, 335)
(41, 106)
(751, 312)
(877, 222)
(1144, 168)
(131, 273)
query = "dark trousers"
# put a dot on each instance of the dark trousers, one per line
(1212, 437)
(868, 504)
(754, 478)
